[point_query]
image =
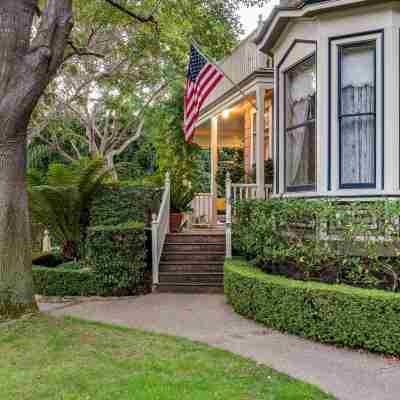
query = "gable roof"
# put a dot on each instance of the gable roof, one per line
(280, 16)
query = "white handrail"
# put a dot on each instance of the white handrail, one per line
(160, 229)
(228, 216)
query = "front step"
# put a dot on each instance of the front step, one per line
(192, 263)
(193, 247)
(195, 256)
(189, 288)
(195, 238)
(205, 278)
(191, 266)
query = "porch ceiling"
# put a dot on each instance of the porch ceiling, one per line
(230, 129)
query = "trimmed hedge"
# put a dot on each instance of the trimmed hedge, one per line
(119, 203)
(64, 282)
(354, 243)
(117, 257)
(334, 314)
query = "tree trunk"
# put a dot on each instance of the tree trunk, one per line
(16, 287)
(111, 167)
(26, 68)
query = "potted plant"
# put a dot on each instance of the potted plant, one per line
(182, 195)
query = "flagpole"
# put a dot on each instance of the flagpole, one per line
(235, 85)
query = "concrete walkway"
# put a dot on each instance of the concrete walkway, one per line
(207, 318)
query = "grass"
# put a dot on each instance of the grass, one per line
(67, 359)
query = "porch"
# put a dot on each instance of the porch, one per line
(235, 126)
(239, 141)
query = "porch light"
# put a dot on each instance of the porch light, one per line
(225, 114)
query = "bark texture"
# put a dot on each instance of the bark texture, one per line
(26, 68)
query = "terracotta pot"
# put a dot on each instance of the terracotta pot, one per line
(175, 221)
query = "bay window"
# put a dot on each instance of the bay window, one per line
(357, 114)
(300, 126)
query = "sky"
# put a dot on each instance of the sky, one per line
(250, 15)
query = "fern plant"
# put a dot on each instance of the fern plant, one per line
(62, 204)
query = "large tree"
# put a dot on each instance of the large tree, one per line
(34, 42)
(26, 68)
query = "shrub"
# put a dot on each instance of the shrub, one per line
(119, 203)
(64, 282)
(116, 255)
(355, 243)
(50, 260)
(335, 314)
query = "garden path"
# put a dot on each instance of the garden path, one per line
(349, 375)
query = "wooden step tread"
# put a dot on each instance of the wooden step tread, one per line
(192, 273)
(191, 284)
(195, 262)
(202, 253)
(194, 243)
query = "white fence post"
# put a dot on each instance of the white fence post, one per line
(228, 222)
(154, 235)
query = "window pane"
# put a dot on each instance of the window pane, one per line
(357, 133)
(358, 150)
(358, 79)
(300, 156)
(300, 93)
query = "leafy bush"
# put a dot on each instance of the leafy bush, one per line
(64, 282)
(118, 203)
(117, 255)
(355, 243)
(49, 260)
(62, 205)
(335, 314)
(232, 161)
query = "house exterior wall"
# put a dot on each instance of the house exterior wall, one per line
(380, 22)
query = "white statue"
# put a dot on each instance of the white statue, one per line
(46, 242)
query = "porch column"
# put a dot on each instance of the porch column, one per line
(214, 167)
(260, 145)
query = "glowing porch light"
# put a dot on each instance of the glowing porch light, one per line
(226, 113)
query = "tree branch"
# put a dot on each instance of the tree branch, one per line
(135, 16)
(81, 52)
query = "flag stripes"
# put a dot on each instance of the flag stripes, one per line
(203, 77)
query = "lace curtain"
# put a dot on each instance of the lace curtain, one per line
(300, 125)
(358, 131)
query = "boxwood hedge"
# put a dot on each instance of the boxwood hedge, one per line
(117, 257)
(335, 314)
(64, 282)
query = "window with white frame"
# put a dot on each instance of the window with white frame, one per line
(300, 126)
(357, 114)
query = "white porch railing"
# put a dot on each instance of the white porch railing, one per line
(243, 61)
(243, 191)
(238, 192)
(202, 206)
(160, 229)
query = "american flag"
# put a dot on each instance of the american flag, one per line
(203, 77)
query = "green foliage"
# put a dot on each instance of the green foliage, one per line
(49, 260)
(335, 314)
(118, 203)
(62, 204)
(355, 243)
(174, 154)
(64, 282)
(116, 255)
(232, 161)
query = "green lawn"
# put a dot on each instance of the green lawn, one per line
(67, 359)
